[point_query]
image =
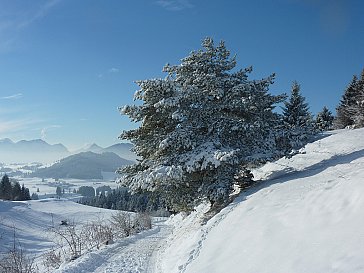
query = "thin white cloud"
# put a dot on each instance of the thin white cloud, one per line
(39, 13)
(14, 19)
(174, 5)
(12, 97)
(44, 131)
(16, 125)
(112, 70)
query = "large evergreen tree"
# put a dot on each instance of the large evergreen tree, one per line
(297, 118)
(200, 129)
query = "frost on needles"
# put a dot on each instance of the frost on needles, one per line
(201, 129)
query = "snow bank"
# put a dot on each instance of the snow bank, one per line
(306, 217)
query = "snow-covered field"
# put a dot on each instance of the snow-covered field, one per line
(307, 215)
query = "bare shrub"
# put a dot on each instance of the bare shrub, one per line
(98, 234)
(73, 240)
(52, 259)
(143, 221)
(70, 239)
(123, 223)
(16, 260)
(127, 224)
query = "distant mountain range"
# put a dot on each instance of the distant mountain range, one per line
(85, 165)
(37, 150)
(30, 151)
(121, 149)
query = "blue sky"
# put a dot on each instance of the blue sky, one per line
(66, 65)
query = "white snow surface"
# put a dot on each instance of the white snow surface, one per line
(33, 219)
(135, 254)
(306, 215)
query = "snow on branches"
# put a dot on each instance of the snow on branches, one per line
(200, 127)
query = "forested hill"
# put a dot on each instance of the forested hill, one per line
(86, 165)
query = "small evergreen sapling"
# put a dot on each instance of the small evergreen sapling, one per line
(297, 118)
(324, 120)
(345, 112)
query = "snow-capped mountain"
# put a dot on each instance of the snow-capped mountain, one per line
(89, 148)
(31, 151)
(37, 150)
(121, 149)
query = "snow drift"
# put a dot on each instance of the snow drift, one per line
(307, 216)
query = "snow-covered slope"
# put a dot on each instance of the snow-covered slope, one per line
(308, 216)
(32, 219)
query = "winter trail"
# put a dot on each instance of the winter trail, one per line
(136, 254)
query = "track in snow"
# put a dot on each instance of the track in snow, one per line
(136, 254)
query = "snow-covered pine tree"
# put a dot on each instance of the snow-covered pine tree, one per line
(16, 191)
(324, 120)
(200, 128)
(359, 108)
(5, 188)
(346, 110)
(297, 118)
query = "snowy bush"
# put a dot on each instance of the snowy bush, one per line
(143, 221)
(52, 259)
(71, 239)
(122, 223)
(98, 233)
(17, 261)
(126, 224)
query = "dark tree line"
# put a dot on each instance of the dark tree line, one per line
(122, 199)
(11, 190)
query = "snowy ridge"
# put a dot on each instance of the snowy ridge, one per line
(316, 154)
(306, 217)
